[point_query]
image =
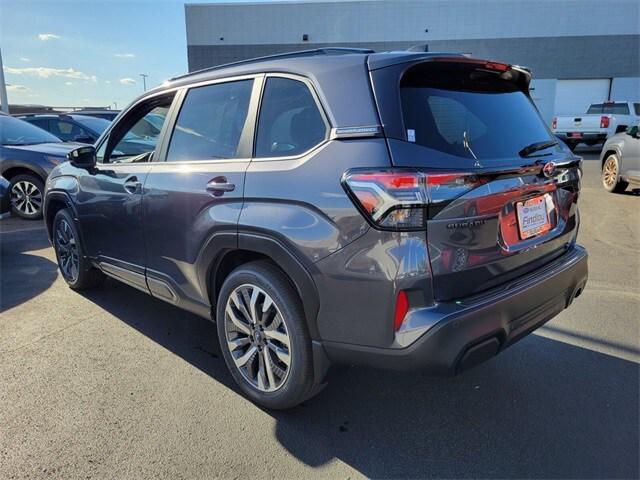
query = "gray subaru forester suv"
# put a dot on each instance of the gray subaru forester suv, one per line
(399, 210)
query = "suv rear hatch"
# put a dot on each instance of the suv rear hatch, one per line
(500, 194)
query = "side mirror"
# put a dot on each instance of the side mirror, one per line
(634, 131)
(83, 157)
(83, 139)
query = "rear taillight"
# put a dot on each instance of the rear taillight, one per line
(554, 123)
(396, 199)
(604, 122)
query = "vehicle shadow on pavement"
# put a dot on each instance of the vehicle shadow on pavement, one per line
(542, 409)
(23, 276)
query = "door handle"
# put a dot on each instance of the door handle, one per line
(220, 185)
(132, 185)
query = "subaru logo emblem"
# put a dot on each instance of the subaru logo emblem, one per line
(549, 169)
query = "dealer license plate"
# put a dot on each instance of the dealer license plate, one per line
(533, 218)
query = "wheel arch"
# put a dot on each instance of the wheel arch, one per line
(54, 202)
(12, 168)
(251, 247)
(606, 154)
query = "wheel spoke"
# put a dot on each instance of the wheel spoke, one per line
(252, 305)
(269, 368)
(262, 384)
(237, 343)
(239, 303)
(236, 321)
(242, 360)
(277, 335)
(281, 353)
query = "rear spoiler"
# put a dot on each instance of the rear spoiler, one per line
(405, 60)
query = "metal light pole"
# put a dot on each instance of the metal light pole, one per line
(144, 81)
(4, 101)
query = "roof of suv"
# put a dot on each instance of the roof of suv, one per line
(306, 61)
(347, 107)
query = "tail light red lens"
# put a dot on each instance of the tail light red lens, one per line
(554, 123)
(402, 307)
(604, 122)
(395, 199)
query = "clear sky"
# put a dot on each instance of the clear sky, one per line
(90, 52)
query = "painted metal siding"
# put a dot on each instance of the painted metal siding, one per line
(406, 20)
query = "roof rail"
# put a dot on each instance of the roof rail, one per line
(299, 53)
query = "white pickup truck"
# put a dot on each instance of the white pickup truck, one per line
(602, 121)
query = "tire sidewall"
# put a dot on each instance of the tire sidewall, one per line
(39, 185)
(301, 371)
(83, 263)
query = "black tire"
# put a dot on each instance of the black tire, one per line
(66, 242)
(299, 383)
(27, 195)
(611, 175)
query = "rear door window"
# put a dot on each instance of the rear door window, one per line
(468, 116)
(609, 109)
(616, 108)
(210, 122)
(290, 121)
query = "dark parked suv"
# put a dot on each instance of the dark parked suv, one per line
(400, 210)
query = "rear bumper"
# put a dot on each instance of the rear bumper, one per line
(586, 137)
(466, 334)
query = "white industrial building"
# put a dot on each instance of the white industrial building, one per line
(580, 51)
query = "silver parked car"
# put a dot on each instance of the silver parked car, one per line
(620, 160)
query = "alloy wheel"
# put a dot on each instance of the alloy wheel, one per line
(67, 249)
(610, 172)
(26, 197)
(257, 338)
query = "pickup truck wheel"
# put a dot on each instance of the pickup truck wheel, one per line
(26, 193)
(263, 336)
(611, 175)
(75, 267)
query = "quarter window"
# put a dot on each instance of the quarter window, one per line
(211, 122)
(290, 122)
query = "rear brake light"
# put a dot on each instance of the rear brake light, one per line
(554, 123)
(395, 199)
(489, 65)
(402, 307)
(604, 122)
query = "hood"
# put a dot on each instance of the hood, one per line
(56, 149)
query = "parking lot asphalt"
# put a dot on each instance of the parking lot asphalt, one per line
(115, 384)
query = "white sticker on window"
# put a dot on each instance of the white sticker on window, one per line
(411, 135)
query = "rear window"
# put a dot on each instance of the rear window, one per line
(609, 108)
(468, 114)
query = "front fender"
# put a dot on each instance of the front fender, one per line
(60, 189)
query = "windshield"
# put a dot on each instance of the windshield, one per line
(18, 132)
(97, 125)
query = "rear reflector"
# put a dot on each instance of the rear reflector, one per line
(402, 307)
(554, 123)
(604, 122)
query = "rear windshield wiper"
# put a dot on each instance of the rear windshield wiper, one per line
(534, 147)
